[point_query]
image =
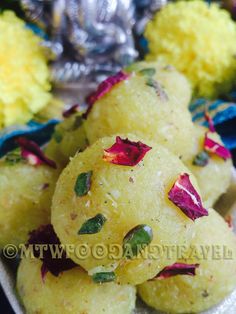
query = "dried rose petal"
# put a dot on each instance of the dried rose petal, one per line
(210, 122)
(45, 235)
(177, 269)
(32, 152)
(104, 88)
(213, 147)
(125, 153)
(183, 195)
(73, 109)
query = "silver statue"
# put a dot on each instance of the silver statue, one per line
(87, 37)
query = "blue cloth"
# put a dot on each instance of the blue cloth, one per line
(223, 114)
(38, 132)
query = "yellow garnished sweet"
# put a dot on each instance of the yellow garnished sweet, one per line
(72, 292)
(24, 73)
(215, 277)
(199, 40)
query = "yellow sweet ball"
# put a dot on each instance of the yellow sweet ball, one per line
(214, 249)
(73, 292)
(188, 35)
(68, 138)
(25, 199)
(214, 177)
(117, 202)
(135, 106)
(24, 75)
(174, 83)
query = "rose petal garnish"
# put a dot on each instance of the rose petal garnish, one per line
(215, 148)
(104, 88)
(83, 183)
(147, 72)
(136, 240)
(158, 89)
(210, 122)
(45, 235)
(33, 154)
(125, 153)
(201, 159)
(73, 109)
(104, 277)
(177, 269)
(184, 195)
(93, 225)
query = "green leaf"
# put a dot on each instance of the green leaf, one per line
(148, 72)
(93, 225)
(83, 183)
(201, 159)
(136, 240)
(104, 277)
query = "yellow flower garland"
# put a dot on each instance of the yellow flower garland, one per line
(24, 75)
(199, 40)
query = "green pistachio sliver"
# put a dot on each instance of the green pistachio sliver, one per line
(77, 123)
(83, 183)
(157, 87)
(104, 277)
(93, 225)
(201, 159)
(148, 72)
(57, 136)
(13, 157)
(136, 240)
(131, 68)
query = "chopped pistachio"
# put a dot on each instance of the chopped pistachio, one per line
(93, 225)
(158, 89)
(104, 277)
(57, 136)
(148, 72)
(83, 183)
(201, 159)
(136, 240)
(13, 157)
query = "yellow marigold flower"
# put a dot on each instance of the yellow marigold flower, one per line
(24, 73)
(199, 40)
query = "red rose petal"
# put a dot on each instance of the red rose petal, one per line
(210, 122)
(177, 269)
(183, 195)
(45, 235)
(125, 152)
(104, 88)
(213, 147)
(32, 152)
(73, 109)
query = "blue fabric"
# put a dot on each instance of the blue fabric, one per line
(38, 132)
(223, 114)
